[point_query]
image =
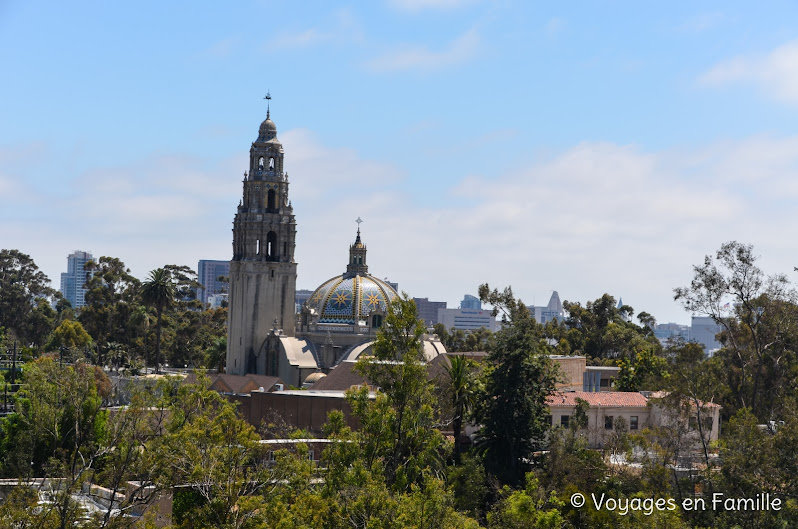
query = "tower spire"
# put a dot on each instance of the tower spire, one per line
(357, 255)
(268, 98)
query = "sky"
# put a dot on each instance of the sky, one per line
(584, 147)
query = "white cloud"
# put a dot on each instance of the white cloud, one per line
(702, 22)
(776, 72)
(343, 26)
(595, 218)
(300, 39)
(411, 57)
(323, 171)
(420, 5)
(223, 48)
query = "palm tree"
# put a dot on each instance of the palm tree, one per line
(139, 325)
(463, 395)
(216, 354)
(159, 292)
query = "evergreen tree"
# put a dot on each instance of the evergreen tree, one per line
(513, 410)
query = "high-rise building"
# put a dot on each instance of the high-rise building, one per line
(671, 332)
(208, 274)
(428, 310)
(471, 302)
(551, 312)
(263, 270)
(73, 281)
(703, 330)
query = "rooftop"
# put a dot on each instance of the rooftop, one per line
(606, 399)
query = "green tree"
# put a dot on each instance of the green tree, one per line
(520, 376)
(217, 354)
(601, 329)
(528, 508)
(462, 386)
(646, 371)
(158, 292)
(398, 427)
(69, 334)
(24, 293)
(190, 335)
(57, 431)
(758, 316)
(209, 449)
(755, 462)
(109, 315)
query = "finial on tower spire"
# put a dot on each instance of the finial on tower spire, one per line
(268, 98)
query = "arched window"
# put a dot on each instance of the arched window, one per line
(271, 246)
(376, 321)
(271, 200)
(257, 247)
(271, 163)
(260, 163)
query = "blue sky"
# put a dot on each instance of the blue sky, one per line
(587, 148)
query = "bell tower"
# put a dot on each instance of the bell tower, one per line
(262, 271)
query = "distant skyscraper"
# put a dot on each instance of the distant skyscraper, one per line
(471, 302)
(73, 281)
(552, 311)
(703, 330)
(208, 273)
(624, 315)
(671, 332)
(428, 310)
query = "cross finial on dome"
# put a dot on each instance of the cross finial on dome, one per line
(268, 98)
(357, 254)
(359, 220)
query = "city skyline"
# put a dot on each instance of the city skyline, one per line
(584, 149)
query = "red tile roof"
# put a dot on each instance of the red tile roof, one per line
(665, 394)
(605, 399)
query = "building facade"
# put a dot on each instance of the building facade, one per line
(428, 310)
(704, 330)
(671, 332)
(73, 281)
(208, 274)
(470, 302)
(467, 319)
(551, 312)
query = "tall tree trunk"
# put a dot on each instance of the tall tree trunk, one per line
(457, 426)
(158, 342)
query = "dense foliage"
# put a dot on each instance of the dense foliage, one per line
(397, 469)
(126, 324)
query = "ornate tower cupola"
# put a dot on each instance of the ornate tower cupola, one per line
(262, 271)
(264, 228)
(357, 257)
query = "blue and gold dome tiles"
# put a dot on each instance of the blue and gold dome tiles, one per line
(350, 299)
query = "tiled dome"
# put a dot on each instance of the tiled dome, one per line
(350, 298)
